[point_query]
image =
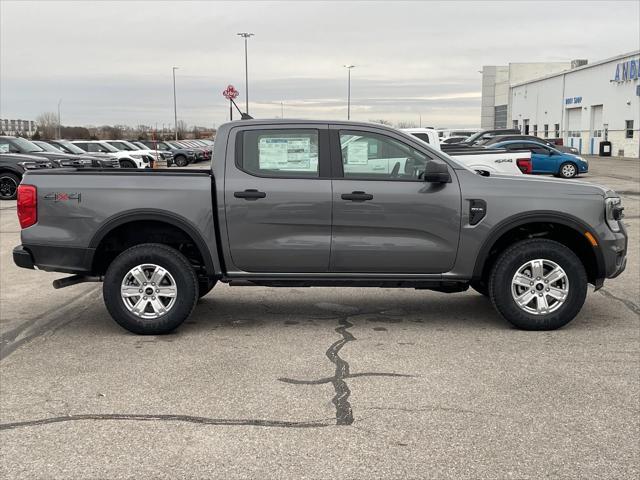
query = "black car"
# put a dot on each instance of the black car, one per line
(531, 138)
(484, 135)
(23, 146)
(12, 167)
(181, 156)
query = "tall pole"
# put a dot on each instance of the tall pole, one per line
(246, 36)
(59, 123)
(349, 67)
(281, 109)
(175, 106)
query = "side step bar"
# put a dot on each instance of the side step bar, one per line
(74, 280)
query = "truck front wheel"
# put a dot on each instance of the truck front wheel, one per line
(150, 289)
(538, 284)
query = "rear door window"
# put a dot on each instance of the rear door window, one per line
(283, 153)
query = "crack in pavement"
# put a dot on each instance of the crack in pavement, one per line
(344, 411)
(627, 303)
(167, 418)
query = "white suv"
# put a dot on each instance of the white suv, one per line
(126, 146)
(127, 159)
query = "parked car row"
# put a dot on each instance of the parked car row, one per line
(495, 150)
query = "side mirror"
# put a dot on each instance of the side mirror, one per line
(436, 172)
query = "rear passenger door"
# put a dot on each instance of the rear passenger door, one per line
(386, 219)
(278, 199)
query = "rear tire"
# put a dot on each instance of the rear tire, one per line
(568, 170)
(9, 186)
(131, 283)
(526, 293)
(127, 164)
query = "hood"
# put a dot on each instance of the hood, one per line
(542, 184)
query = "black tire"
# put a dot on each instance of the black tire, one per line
(517, 255)
(181, 161)
(205, 285)
(9, 186)
(173, 262)
(568, 170)
(127, 164)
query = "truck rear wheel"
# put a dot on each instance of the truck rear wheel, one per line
(150, 289)
(538, 285)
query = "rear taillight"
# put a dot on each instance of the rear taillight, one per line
(524, 164)
(27, 205)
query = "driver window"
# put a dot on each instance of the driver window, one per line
(372, 156)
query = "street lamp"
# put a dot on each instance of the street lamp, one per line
(59, 124)
(175, 107)
(246, 36)
(349, 67)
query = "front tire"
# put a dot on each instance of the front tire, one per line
(127, 164)
(538, 285)
(150, 289)
(181, 161)
(568, 170)
(9, 186)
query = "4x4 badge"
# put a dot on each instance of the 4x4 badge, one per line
(63, 196)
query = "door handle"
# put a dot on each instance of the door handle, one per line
(250, 194)
(356, 196)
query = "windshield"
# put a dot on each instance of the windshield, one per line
(108, 147)
(47, 147)
(132, 146)
(70, 147)
(26, 146)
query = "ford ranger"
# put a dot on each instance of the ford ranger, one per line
(291, 203)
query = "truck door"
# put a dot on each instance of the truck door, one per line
(388, 220)
(278, 199)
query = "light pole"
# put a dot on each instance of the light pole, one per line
(175, 107)
(349, 67)
(246, 36)
(59, 124)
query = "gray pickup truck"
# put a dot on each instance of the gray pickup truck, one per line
(290, 203)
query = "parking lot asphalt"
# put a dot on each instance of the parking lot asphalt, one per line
(320, 382)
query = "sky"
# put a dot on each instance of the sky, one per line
(110, 62)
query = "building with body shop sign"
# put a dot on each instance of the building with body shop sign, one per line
(584, 106)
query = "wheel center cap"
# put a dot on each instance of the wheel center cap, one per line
(149, 291)
(539, 286)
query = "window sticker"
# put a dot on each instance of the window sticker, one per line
(358, 153)
(4, 148)
(284, 153)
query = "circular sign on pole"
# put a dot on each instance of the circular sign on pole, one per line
(230, 92)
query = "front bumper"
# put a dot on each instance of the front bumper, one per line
(614, 251)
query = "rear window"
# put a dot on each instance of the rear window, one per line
(422, 136)
(280, 153)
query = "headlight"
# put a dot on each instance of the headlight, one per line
(614, 211)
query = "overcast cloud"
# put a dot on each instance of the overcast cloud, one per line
(111, 62)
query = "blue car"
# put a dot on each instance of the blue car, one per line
(545, 159)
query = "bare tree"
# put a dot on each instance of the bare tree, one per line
(381, 121)
(47, 124)
(182, 129)
(406, 124)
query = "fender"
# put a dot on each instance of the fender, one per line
(565, 219)
(212, 267)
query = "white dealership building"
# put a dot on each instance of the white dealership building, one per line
(583, 105)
